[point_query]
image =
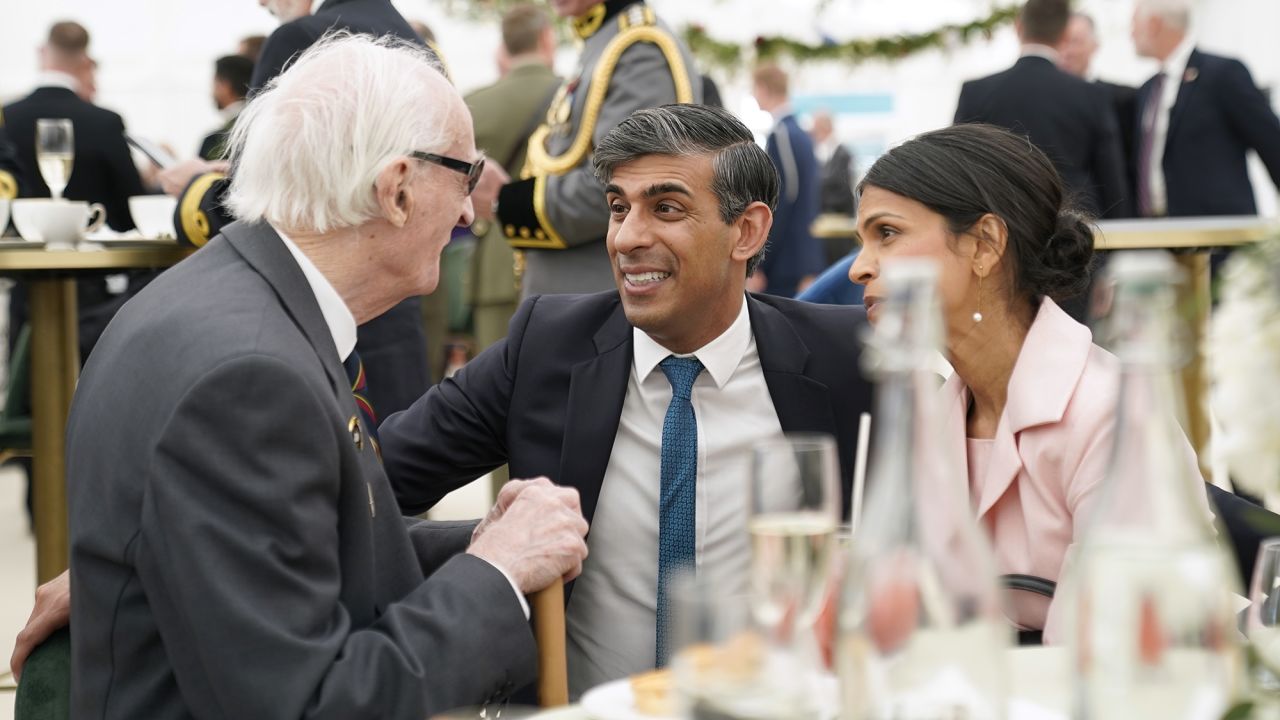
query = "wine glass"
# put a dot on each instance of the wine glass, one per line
(794, 513)
(55, 153)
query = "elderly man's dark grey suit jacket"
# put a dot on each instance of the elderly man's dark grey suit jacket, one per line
(235, 553)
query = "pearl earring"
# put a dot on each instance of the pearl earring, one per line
(977, 315)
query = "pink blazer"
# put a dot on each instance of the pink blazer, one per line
(1050, 453)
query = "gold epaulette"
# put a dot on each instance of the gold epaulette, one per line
(195, 224)
(636, 25)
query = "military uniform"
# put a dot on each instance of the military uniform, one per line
(504, 115)
(556, 212)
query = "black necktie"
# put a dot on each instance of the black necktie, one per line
(359, 387)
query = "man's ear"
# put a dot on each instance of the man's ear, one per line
(391, 191)
(753, 231)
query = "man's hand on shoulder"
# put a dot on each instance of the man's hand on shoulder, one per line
(534, 533)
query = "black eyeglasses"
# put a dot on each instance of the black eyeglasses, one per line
(471, 170)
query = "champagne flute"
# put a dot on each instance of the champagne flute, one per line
(55, 153)
(794, 512)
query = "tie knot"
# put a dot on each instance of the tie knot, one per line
(681, 372)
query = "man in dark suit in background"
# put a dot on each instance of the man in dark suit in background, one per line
(234, 542)
(1077, 50)
(837, 181)
(579, 389)
(1071, 120)
(794, 256)
(393, 345)
(103, 170)
(1200, 115)
(231, 75)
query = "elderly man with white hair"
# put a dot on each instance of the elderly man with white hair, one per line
(235, 547)
(1198, 118)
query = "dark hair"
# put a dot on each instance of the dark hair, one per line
(1045, 21)
(741, 172)
(251, 46)
(69, 37)
(967, 171)
(522, 25)
(236, 71)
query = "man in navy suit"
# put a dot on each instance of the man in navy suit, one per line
(1070, 119)
(794, 257)
(1199, 117)
(579, 388)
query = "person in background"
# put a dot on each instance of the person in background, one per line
(1199, 117)
(1032, 400)
(1069, 119)
(837, 179)
(231, 74)
(505, 114)
(250, 46)
(794, 257)
(424, 31)
(1079, 44)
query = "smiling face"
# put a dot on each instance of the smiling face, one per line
(680, 269)
(893, 226)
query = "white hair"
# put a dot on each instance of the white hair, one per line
(1174, 12)
(306, 150)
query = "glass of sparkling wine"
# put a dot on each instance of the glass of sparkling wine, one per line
(794, 513)
(55, 153)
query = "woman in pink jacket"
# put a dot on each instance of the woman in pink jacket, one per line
(1031, 404)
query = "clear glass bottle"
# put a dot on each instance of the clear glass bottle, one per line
(1155, 632)
(921, 631)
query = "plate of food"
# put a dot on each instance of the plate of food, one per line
(648, 696)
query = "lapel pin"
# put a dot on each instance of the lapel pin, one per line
(357, 437)
(373, 512)
(1190, 75)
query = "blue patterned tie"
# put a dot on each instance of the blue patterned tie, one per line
(677, 499)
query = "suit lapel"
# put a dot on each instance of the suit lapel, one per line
(597, 389)
(1187, 85)
(802, 403)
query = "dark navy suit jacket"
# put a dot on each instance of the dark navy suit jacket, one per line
(1218, 117)
(548, 398)
(793, 252)
(1071, 120)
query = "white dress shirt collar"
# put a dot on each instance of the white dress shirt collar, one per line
(1040, 50)
(55, 78)
(231, 112)
(720, 356)
(337, 316)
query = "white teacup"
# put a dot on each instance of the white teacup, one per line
(60, 224)
(153, 214)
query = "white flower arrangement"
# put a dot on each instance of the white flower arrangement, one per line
(1244, 349)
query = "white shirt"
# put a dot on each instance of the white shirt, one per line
(612, 613)
(1044, 51)
(342, 328)
(1174, 68)
(58, 79)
